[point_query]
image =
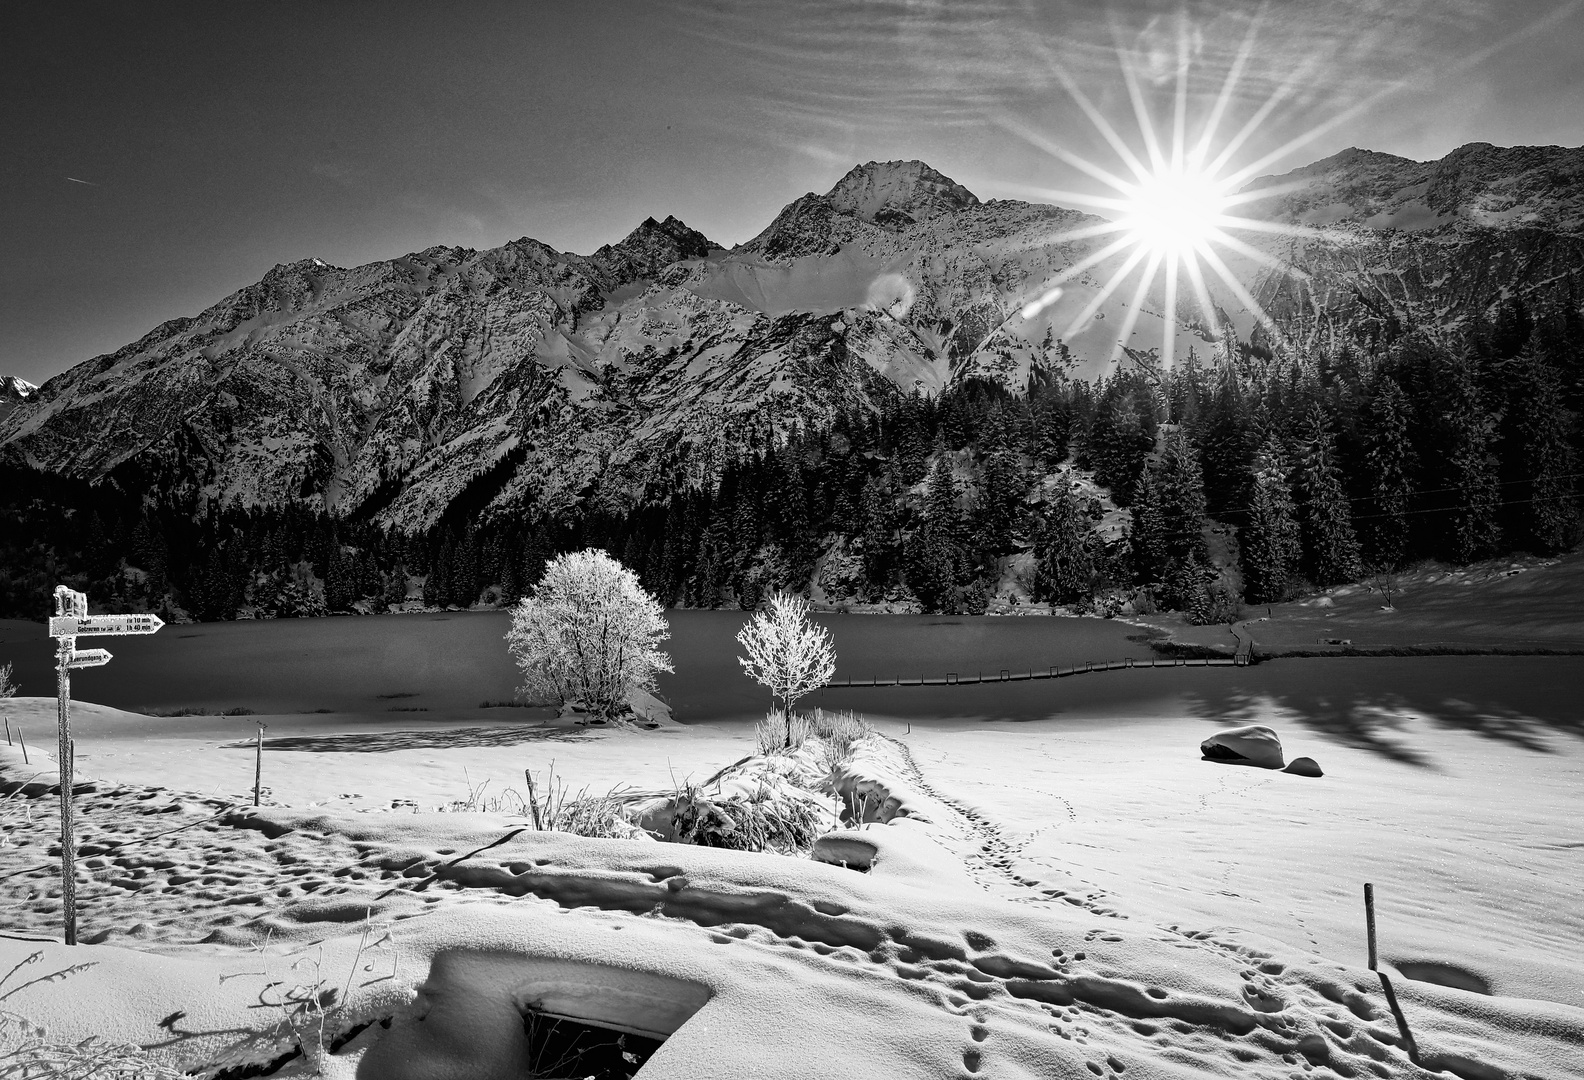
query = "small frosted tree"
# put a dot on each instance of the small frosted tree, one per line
(786, 652)
(588, 635)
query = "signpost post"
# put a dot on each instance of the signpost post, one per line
(71, 621)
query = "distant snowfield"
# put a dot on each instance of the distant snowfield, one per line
(1078, 894)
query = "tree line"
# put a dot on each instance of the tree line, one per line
(1329, 462)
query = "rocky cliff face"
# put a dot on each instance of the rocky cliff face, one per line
(523, 379)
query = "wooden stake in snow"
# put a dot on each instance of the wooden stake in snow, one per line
(70, 620)
(1369, 921)
(533, 801)
(23, 741)
(258, 761)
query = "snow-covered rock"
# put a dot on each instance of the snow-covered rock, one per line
(1252, 744)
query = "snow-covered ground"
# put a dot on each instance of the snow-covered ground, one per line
(1076, 894)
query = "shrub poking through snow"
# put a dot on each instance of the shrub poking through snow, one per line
(27, 1051)
(774, 817)
(588, 636)
(837, 732)
(555, 809)
(786, 652)
(781, 730)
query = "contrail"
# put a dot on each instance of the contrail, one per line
(74, 180)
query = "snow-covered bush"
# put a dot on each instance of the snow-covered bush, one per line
(786, 652)
(775, 816)
(588, 635)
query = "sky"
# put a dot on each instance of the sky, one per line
(160, 156)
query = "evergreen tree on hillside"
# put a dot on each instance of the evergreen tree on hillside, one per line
(1121, 435)
(1182, 500)
(1147, 537)
(1270, 544)
(1330, 545)
(875, 534)
(1180, 494)
(1390, 463)
(1227, 445)
(936, 563)
(1064, 554)
(1472, 467)
(1548, 502)
(340, 580)
(1000, 504)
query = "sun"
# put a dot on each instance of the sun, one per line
(1173, 212)
(1170, 209)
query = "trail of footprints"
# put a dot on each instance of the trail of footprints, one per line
(991, 865)
(193, 876)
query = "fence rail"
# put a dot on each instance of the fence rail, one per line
(953, 678)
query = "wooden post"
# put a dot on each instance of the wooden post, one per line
(23, 741)
(258, 762)
(8, 731)
(533, 801)
(1369, 921)
(63, 652)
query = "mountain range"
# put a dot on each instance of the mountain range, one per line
(524, 380)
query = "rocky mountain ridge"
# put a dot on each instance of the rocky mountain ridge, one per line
(527, 381)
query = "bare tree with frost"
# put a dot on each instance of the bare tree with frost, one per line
(588, 635)
(787, 652)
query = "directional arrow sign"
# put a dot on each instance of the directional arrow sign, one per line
(89, 658)
(69, 626)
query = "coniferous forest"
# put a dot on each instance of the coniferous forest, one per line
(1246, 474)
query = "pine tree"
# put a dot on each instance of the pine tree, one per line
(1227, 442)
(1147, 537)
(1473, 468)
(876, 531)
(1182, 501)
(1390, 461)
(1550, 515)
(937, 565)
(1064, 554)
(1001, 504)
(1122, 433)
(1270, 544)
(1330, 545)
(340, 580)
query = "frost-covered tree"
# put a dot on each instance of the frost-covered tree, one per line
(8, 686)
(787, 653)
(588, 635)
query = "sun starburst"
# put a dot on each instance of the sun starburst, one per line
(1170, 207)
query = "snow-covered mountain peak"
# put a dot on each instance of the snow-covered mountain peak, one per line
(895, 194)
(13, 392)
(15, 389)
(650, 248)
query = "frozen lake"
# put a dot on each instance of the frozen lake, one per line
(456, 660)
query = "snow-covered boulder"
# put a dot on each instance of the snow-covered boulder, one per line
(1252, 744)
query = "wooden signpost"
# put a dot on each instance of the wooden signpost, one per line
(71, 621)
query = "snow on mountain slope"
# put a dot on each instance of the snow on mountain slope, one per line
(13, 391)
(532, 380)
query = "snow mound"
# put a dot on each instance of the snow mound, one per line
(1252, 744)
